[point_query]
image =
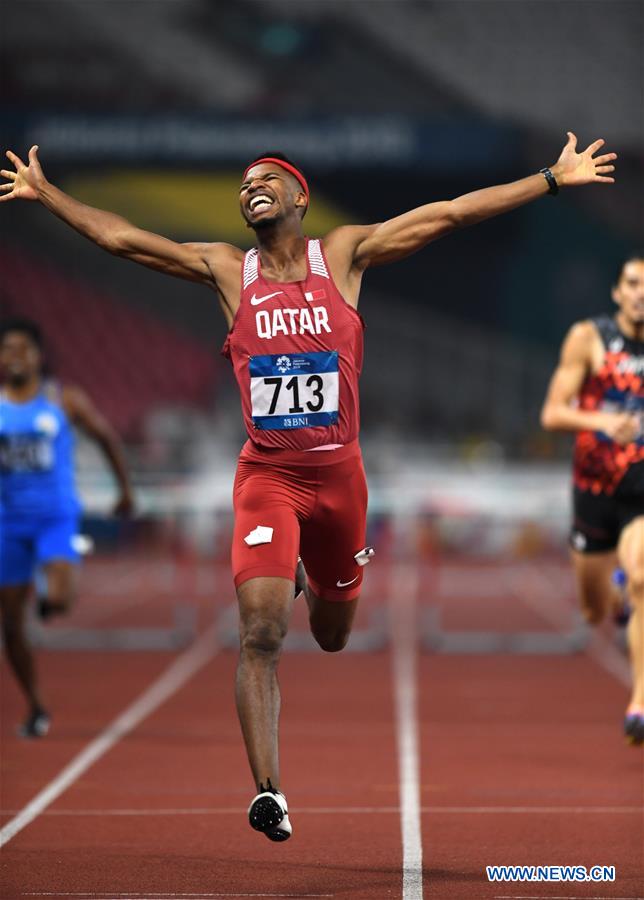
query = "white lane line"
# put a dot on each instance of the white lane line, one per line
(351, 810)
(151, 895)
(174, 677)
(402, 622)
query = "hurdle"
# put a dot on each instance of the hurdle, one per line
(527, 585)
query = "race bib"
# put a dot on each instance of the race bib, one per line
(294, 390)
(616, 401)
(23, 453)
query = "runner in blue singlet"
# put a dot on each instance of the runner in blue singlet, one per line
(39, 506)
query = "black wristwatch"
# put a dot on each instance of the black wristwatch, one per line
(553, 187)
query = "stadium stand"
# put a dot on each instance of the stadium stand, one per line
(128, 361)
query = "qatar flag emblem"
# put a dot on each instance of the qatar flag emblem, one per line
(313, 296)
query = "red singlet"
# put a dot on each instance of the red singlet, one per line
(297, 351)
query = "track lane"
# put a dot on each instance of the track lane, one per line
(338, 750)
(527, 732)
(83, 696)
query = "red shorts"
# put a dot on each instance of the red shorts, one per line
(316, 505)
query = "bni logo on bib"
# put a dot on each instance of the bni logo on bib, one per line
(294, 390)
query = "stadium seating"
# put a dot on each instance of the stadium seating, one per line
(129, 362)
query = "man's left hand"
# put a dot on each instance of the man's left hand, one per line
(574, 168)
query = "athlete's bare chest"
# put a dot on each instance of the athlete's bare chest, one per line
(296, 270)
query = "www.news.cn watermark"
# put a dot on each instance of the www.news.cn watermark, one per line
(550, 873)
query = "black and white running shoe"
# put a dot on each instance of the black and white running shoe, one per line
(36, 725)
(269, 813)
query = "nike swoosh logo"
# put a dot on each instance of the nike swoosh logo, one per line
(255, 301)
(346, 583)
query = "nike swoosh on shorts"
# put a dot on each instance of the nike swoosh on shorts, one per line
(255, 301)
(346, 583)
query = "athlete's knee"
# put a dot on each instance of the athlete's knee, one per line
(261, 635)
(332, 641)
(331, 622)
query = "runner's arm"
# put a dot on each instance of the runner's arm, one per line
(396, 238)
(83, 413)
(559, 413)
(110, 231)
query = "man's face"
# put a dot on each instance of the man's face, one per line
(20, 357)
(267, 194)
(628, 293)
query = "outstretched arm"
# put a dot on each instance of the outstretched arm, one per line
(83, 413)
(110, 231)
(559, 412)
(399, 237)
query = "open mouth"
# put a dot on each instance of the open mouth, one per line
(260, 203)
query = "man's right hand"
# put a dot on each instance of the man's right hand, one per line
(25, 182)
(622, 428)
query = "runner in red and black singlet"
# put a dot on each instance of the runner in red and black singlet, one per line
(600, 464)
(598, 392)
(296, 346)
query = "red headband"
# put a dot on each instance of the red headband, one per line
(284, 165)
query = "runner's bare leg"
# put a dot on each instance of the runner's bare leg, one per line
(330, 620)
(631, 557)
(62, 588)
(595, 590)
(13, 601)
(265, 606)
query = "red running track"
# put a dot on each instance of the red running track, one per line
(522, 762)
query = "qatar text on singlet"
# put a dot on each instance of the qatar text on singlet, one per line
(297, 350)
